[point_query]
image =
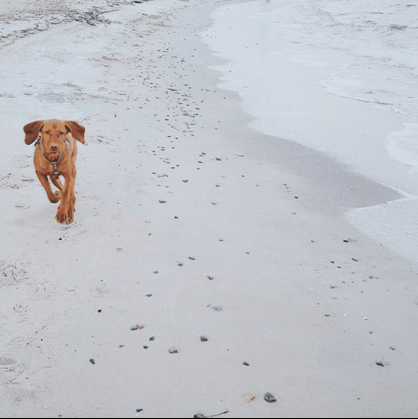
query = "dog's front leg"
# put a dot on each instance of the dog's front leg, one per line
(65, 213)
(59, 185)
(45, 183)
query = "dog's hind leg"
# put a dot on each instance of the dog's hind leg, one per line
(45, 183)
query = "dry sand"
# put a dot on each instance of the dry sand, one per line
(187, 224)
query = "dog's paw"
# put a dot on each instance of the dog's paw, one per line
(55, 198)
(64, 217)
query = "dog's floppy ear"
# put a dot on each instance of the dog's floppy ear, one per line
(32, 131)
(77, 130)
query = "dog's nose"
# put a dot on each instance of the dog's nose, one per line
(54, 147)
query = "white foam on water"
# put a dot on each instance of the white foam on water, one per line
(338, 77)
(403, 147)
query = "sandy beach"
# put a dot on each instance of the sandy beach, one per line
(229, 248)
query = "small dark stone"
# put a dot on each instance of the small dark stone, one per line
(92, 361)
(246, 364)
(152, 339)
(204, 339)
(139, 410)
(270, 398)
(145, 347)
(173, 351)
(149, 295)
(199, 416)
(217, 308)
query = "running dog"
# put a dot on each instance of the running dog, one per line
(55, 156)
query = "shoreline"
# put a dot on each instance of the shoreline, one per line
(173, 191)
(309, 90)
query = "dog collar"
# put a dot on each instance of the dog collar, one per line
(53, 163)
(38, 141)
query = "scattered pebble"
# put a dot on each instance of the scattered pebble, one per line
(217, 308)
(136, 327)
(92, 361)
(145, 347)
(152, 339)
(246, 364)
(211, 278)
(380, 364)
(249, 398)
(173, 350)
(204, 339)
(270, 398)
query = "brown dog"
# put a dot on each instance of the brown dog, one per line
(55, 156)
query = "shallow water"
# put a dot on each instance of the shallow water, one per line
(338, 77)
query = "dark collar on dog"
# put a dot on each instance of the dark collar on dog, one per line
(54, 163)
